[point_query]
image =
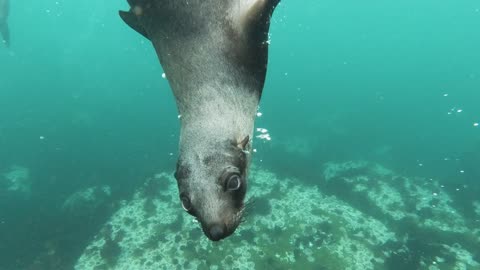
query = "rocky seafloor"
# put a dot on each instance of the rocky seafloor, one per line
(359, 215)
(16, 180)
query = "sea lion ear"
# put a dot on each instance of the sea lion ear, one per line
(243, 144)
(250, 13)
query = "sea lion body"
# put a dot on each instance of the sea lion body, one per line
(4, 31)
(214, 54)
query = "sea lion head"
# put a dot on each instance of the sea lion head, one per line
(212, 186)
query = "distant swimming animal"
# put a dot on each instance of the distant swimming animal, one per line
(214, 54)
(4, 31)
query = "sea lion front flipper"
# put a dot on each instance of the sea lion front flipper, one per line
(131, 20)
(250, 22)
(253, 15)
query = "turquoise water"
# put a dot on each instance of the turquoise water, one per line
(397, 83)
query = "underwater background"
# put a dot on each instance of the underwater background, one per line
(373, 162)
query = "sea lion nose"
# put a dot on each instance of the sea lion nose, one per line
(216, 232)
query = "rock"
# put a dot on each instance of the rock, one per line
(294, 226)
(17, 180)
(476, 205)
(87, 201)
(395, 197)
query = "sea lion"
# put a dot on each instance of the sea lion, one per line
(4, 32)
(214, 54)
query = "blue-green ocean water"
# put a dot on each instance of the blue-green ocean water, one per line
(83, 103)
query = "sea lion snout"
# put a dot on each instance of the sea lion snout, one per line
(217, 232)
(223, 227)
(218, 213)
(213, 187)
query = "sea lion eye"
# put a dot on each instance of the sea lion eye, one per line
(233, 182)
(186, 204)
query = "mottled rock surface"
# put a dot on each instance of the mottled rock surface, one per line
(360, 216)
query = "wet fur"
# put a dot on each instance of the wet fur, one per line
(214, 54)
